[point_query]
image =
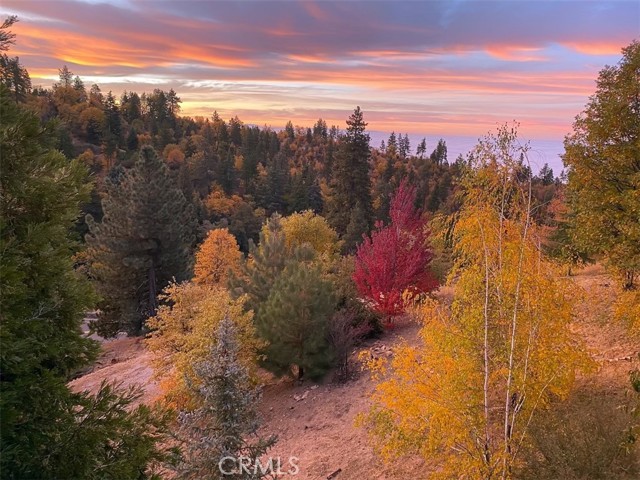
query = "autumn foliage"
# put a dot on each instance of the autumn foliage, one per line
(183, 333)
(497, 356)
(396, 257)
(218, 255)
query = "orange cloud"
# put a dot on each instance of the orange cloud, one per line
(595, 48)
(93, 51)
(516, 54)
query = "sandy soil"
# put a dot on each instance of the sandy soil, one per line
(315, 422)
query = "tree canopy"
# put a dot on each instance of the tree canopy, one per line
(603, 157)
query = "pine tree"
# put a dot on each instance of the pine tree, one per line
(225, 427)
(404, 146)
(422, 149)
(144, 240)
(49, 432)
(439, 154)
(112, 129)
(294, 320)
(266, 263)
(350, 182)
(358, 225)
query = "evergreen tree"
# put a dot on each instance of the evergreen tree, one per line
(439, 154)
(47, 431)
(132, 140)
(144, 240)
(350, 181)
(546, 176)
(358, 226)
(131, 107)
(267, 262)
(291, 134)
(224, 428)
(392, 145)
(422, 149)
(294, 320)
(383, 189)
(404, 146)
(15, 77)
(226, 172)
(112, 129)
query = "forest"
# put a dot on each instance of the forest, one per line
(238, 255)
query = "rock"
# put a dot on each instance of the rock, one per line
(299, 398)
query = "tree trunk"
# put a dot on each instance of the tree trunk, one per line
(152, 288)
(629, 280)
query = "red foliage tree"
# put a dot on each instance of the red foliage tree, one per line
(396, 257)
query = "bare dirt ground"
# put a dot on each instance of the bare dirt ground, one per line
(124, 361)
(611, 345)
(319, 430)
(315, 422)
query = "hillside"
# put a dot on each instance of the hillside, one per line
(315, 422)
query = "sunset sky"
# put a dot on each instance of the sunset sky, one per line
(453, 69)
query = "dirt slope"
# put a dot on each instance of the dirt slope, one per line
(318, 428)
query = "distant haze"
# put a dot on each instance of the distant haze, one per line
(541, 151)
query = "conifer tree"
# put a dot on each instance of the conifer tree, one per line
(49, 432)
(266, 263)
(357, 227)
(144, 240)
(224, 428)
(295, 319)
(350, 182)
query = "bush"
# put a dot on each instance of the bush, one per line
(588, 436)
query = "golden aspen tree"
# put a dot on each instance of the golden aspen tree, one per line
(493, 359)
(218, 254)
(183, 333)
(308, 227)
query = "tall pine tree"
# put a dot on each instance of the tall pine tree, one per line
(350, 182)
(144, 240)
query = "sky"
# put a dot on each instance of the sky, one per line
(453, 69)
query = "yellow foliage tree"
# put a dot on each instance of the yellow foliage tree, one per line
(220, 205)
(496, 356)
(307, 227)
(627, 310)
(183, 333)
(217, 256)
(173, 155)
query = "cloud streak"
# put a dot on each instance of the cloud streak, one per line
(423, 67)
